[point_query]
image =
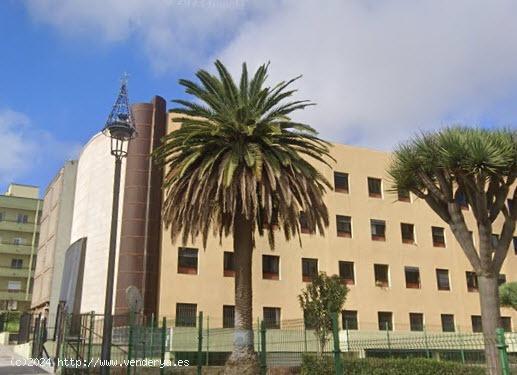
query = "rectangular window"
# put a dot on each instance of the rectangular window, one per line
(349, 320)
(374, 187)
(187, 260)
(477, 326)
(186, 314)
(309, 269)
(461, 200)
(272, 317)
(14, 286)
(344, 226)
(472, 281)
(501, 279)
(438, 236)
(304, 225)
(346, 272)
(515, 245)
(378, 228)
(506, 323)
(341, 182)
(416, 321)
(403, 195)
(228, 264)
(448, 323)
(385, 320)
(412, 277)
(16, 263)
(18, 241)
(381, 272)
(408, 233)
(494, 240)
(270, 267)
(22, 219)
(228, 316)
(442, 279)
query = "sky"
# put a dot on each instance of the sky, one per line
(378, 71)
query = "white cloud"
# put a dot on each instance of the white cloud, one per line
(378, 70)
(25, 148)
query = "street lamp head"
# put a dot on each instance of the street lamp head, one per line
(119, 126)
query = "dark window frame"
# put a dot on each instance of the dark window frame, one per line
(377, 223)
(448, 325)
(374, 187)
(347, 278)
(409, 276)
(228, 264)
(183, 265)
(307, 265)
(438, 239)
(403, 195)
(477, 323)
(404, 232)
(472, 281)
(190, 319)
(443, 271)
(385, 324)
(228, 316)
(275, 323)
(416, 322)
(349, 320)
(344, 187)
(270, 274)
(378, 271)
(342, 221)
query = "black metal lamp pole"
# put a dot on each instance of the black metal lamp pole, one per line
(119, 128)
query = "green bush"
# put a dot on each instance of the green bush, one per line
(314, 365)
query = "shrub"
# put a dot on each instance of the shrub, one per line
(313, 365)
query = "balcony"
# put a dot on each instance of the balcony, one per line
(14, 226)
(15, 272)
(9, 248)
(13, 295)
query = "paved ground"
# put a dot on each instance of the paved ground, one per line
(8, 363)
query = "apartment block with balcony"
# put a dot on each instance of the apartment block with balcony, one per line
(20, 211)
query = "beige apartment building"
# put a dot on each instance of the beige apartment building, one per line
(20, 209)
(402, 264)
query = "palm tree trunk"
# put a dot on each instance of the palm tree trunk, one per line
(490, 316)
(243, 354)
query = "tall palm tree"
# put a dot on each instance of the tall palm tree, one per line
(239, 165)
(477, 166)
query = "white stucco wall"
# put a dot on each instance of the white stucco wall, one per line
(92, 216)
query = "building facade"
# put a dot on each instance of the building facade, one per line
(402, 264)
(54, 239)
(20, 211)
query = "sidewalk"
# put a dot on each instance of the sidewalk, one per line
(8, 366)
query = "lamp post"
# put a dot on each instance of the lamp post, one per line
(119, 128)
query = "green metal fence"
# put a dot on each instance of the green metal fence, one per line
(204, 342)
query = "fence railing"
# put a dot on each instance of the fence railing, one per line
(206, 343)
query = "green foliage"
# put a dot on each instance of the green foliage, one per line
(508, 295)
(322, 297)
(316, 365)
(238, 155)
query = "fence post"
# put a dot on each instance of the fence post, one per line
(347, 336)
(200, 343)
(338, 365)
(130, 343)
(427, 352)
(462, 349)
(90, 339)
(207, 338)
(263, 349)
(503, 354)
(388, 339)
(164, 339)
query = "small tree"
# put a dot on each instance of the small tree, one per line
(508, 295)
(478, 167)
(322, 297)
